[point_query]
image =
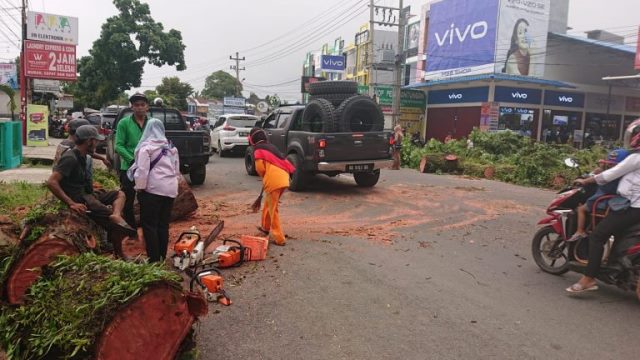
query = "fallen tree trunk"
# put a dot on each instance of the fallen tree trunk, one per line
(184, 204)
(54, 233)
(90, 306)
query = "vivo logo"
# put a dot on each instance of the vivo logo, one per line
(37, 57)
(565, 99)
(518, 95)
(455, 96)
(475, 31)
(332, 62)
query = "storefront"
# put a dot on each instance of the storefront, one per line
(562, 117)
(519, 109)
(454, 112)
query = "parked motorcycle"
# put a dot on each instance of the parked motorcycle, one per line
(56, 129)
(554, 255)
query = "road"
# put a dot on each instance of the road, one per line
(419, 267)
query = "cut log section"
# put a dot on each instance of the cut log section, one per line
(184, 204)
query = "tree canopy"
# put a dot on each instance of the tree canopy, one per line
(221, 84)
(174, 92)
(116, 61)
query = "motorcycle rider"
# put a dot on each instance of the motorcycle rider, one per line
(627, 214)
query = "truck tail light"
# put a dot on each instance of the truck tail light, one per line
(322, 143)
(228, 128)
(392, 140)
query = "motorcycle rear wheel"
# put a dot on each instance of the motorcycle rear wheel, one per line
(550, 252)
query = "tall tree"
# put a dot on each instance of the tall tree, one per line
(220, 84)
(174, 92)
(116, 61)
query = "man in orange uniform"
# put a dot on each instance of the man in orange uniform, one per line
(274, 168)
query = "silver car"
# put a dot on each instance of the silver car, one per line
(230, 132)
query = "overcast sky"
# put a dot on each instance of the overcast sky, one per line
(214, 29)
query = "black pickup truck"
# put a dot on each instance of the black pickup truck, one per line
(194, 147)
(314, 150)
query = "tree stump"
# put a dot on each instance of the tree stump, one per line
(489, 172)
(62, 233)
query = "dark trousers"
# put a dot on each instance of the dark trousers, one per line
(155, 214)
(127, 187)
(613, 224)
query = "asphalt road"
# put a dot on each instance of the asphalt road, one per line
(419, 267)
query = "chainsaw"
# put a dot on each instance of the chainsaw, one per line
(189, 249)
(211, 284)
(225, 256)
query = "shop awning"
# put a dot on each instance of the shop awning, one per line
(491, 77)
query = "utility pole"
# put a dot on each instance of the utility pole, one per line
(24, 82)
(399, 62)
(237, 68)
(372, 57)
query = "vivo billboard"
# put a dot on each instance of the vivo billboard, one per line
(332, 63)
(462, 38)
(522, 37)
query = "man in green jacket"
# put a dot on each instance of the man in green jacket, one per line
(128, 134)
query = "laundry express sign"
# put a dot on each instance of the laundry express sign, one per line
(52, 28)
(462, 37)
(332, 63)
(50, 61)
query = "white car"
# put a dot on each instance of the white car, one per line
(230, 132)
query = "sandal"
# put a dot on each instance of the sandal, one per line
(577, 288)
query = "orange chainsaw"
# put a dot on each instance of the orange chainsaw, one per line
(189, 249)
(211, 283)
(226, 256)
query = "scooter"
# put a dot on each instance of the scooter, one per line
(555, 255)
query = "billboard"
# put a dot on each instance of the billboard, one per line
(52, 28)
(9, 74)
(522, 37)
(37, 125)
(238, 102)
(50, 61)
(461, 38)
(413, 39)
(332, 63)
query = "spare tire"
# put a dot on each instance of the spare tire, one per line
(359, 114)
(335, 99)
(319, 116)
(333, 87)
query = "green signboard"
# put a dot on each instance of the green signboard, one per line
(408, 98)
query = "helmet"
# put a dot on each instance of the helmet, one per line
(632, 135)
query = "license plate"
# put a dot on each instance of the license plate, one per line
(359, 167)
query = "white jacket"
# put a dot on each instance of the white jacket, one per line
(629, 186)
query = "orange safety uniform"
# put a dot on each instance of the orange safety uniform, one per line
(274, 181)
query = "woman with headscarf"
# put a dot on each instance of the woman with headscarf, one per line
(274, 169)
(156, 173)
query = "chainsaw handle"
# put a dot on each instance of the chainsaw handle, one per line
(225, 241)
(195, 277)
(189, 233)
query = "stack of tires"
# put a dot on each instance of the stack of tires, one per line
(335, 106)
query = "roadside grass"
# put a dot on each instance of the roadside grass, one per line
(20, 194)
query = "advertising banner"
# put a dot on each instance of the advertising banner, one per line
(461, 38)
(455, 96)
(332, 63)
(37, 125)
(50, 61)
(234, 102)
(522, 37)
(58, 29)
(9, 74)
(518, 95)
(413, 39)
(411, 101)
(566, 99)
(489, 116)
(46, 86)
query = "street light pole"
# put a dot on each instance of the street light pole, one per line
(399, 61)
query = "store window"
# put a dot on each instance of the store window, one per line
(561, 127)
(519, 120)
(602, 128)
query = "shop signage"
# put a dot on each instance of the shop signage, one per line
(234, 102)
(52, 28)
(468, 95)
(598, 102)
(518, 95)
(413, 39)
(461, 38)
(489, 116)
(37, 125)
(408, 98)
(9, 75)
(306, 80)
(46, 86)
(332, 63)
(633, 104)
(65, 102)
(50, 61)
(566, 99)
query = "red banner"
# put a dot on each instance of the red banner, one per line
(638, 52)
(50, 61)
